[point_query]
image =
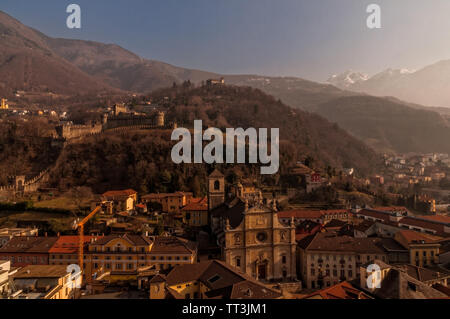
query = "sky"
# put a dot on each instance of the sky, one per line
(310, 39)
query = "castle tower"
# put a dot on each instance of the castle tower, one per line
(216, 189)
(160, 119)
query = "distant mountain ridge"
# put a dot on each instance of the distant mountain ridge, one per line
(428, 86)
(32, 61)
(28, 63)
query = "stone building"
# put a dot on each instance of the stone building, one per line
(250, 234)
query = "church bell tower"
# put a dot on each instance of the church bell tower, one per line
(216, 189)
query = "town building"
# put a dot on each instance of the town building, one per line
(319, 216)
(6, 273)
(212, 279)
(170, 202)
(122, 256)
(392, 282)
(6, 234)
(423, 248)
(195, 214)
(46, 282)
(325, 259)
(124, 200)
(26, 250)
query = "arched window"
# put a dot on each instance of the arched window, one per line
(216, 185)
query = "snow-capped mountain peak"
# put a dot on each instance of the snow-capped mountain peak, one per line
(347, 79)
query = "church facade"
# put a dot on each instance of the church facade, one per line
(252, 237)
(261, 246)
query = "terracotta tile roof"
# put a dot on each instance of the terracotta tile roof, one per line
(164, 195)
(399, 285)
(298, 213)
(27, 244)
(390, 208)
(158, 278)
(375, 214)
(423, 223)
(411, 236)
(41, 271)
(310, 214)
(216, 174)
(172, 245)
(334, 223)
(422, 274)
(333, 242)
(343, 290)
(438, 218)
(197, 204)
(233, 211)
(118, 193)
(136, 240)
(441, 288)
(68, 244)
(223, 281)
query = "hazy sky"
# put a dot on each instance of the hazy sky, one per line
(310, 39)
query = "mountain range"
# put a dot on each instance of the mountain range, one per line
(428, 86)
(33, 61)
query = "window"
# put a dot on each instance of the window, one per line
(214, 278)
(283, 259)
(238, 261)
(350, 273)
(216, 185)
(130, 266)
(313, 271)
(334, 272)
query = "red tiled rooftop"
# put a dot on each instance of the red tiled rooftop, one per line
(411, 235)
(125, 192)
(310, 214)
(391, 208)
(197, 204)
(438, 218)
(300, 214)
(68, 244)
(343, 290)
